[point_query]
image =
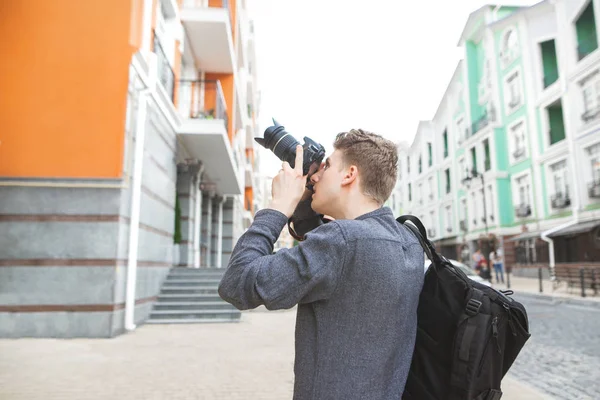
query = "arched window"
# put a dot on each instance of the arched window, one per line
(510, 47)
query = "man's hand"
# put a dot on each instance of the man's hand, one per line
(288, 186)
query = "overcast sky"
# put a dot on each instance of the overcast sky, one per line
(326, 66)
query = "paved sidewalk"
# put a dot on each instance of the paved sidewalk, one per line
(252, 359)
(531, 286)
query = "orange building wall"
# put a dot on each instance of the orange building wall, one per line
(248, 199)
(64, 74)
(228, 91)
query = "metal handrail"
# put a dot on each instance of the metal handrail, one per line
(201, 111)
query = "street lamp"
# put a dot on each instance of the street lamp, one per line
(469, 177)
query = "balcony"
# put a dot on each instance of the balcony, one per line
(594, 189)
(463, 225)
(166, 76)
(483, 121)
(518, 153)
(523, 210)
(204, 135)
(560, 200)
(209, 33)
(591, 114)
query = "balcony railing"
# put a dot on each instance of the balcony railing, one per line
(463, 225)
(483, 121)
(591, 114)
(518, 153)
(431, 232)
(560, 200)
(211, 3)
(594, 189)
(523, 210)
(211, 105)
(549, 80)
(166, 76)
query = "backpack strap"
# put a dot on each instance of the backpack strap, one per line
(461, 358)
(417, 228)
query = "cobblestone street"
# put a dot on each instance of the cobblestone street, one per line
(562, 358)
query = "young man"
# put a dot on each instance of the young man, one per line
(356, 280)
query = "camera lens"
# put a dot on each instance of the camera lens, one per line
(281, 143)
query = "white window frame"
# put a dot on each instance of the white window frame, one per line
(514, 79)
(489, 198)
(464, 208)
(431, 188)
(509, 54)
(475, 209)
(519, 181)
(590, 105)
(551, 180)
(592, 171)
(448, 219)
(459, 125)
(462, 168)
(421, 199)
(512, 139)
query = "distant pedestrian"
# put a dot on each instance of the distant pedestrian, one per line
(496, 260)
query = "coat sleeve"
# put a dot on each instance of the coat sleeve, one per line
(305, 273)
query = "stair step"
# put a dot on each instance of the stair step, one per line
(189, 297)
(184, 305)
(195, 314)
(178, 281)
(191, 321)
(189, 290)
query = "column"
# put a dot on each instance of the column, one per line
(220, 233)
(187, 193)
(209, 207)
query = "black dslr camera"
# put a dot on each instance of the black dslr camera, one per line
(283, 145)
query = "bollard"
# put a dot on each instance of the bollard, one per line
(540, 279)
(582, 277)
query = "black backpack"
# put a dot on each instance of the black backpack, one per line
(468, 334)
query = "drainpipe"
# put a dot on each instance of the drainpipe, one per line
(136, 186)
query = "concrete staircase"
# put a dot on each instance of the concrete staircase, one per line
(189, 296)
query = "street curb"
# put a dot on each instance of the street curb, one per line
(559, 299)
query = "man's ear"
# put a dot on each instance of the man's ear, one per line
(350, 175)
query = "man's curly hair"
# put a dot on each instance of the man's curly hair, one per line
(376, 159)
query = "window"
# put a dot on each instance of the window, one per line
(559, 179)
(593, 153)
(461, 132)
(487, 162)
(409, 192)
(420, 193)
(431, 188)
(408, 165)
(448, 183)
(449, 218)
(463, 210)
(512, 92)
(430, 153)
(399, 169)
(516, 142)
(474, 208)
(432, 224)
(445, 137)
(523, 190)
(591, 98)
(474, 159)
(462, 168)
(490, 200)
(593, 156)
(420, 164)
(510, 47)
